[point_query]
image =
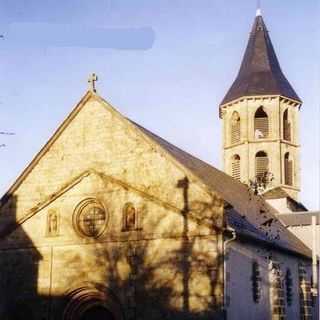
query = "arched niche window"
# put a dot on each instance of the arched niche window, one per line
(52, 223)
(235, 128)
(235, 167)
(261, 124)
(286, 126)
(129, 217)
(288, 170)
(262, 164)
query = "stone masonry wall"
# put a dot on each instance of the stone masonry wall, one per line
(168, 265)
(274, 145)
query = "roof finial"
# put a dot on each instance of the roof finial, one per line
(92, 82)
(258, 14)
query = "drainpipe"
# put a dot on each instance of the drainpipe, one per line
(314, 257)
(225, 244)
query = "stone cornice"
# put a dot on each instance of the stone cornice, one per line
(267, 97)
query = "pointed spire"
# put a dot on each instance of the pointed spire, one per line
(258, 12)
(260, 72)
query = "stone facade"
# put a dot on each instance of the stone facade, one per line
(65, 250)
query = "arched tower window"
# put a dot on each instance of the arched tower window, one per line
(235, 167)
(261, 124)
(262, 164)
(288, 170)
(286, 126)
(235, 128)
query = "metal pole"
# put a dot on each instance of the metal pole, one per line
(225, 244)
(314, 257)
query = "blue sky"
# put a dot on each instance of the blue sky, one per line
(165, 64)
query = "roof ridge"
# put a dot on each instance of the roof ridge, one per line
(289, 242)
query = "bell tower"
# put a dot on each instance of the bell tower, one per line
(260, 114)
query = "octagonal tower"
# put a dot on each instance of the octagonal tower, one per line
(260, 114)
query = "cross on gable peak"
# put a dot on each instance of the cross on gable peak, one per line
(93, 78)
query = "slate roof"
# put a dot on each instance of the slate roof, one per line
(249, 212)
(260, 72)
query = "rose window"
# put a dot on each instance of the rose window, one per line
(90, 218)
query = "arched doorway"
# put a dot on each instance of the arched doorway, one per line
(92, 302)
(97, 313)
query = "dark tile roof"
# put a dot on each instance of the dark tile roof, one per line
(253, 211)
(260, 72)
(247, 230)
(243, 226)
(299, 219)
(279, 192)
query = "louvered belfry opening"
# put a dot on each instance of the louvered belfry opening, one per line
(235, 167)
(261, 124)
(288, 170)
(286, 126)
(235, 128)
(262, 164)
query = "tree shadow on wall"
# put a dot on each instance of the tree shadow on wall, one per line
(153, 278)
(19, 262)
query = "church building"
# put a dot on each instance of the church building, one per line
(111, 222)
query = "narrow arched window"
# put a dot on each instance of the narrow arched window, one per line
(235, 128)
(289, 284)
(262, 164)
(261, 124)
(288, 170)
(129, 217)
(52, 223)
(235, 167)
(256, 282)
(286, 126)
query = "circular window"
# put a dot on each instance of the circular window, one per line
(90, 218)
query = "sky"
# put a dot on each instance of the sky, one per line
(166, 64)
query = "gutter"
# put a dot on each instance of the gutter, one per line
(225, 244)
